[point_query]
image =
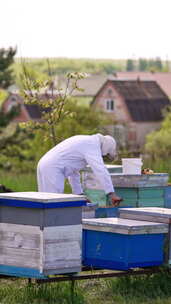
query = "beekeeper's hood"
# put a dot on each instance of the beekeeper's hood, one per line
(108, 146)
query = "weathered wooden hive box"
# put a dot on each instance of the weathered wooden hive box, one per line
(92, 187)
(136, 190)
(114, 243)
(40, 233)
(168, 196)
(89, 210)
(161, 215)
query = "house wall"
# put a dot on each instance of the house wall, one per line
(134, 133)
(14, 100)
(143, 129)
(120, 112)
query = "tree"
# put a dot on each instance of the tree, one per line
(130, 65)
(51, 100)
(6, 60)
(158, 143)
(143, 64)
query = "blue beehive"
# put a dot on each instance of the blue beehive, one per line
(108, 212)
(121, 244)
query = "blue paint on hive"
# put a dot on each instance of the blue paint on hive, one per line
(108, 211)
(121, 252)
(21, 272)
(31, 204)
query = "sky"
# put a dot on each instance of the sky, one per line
(107, 29)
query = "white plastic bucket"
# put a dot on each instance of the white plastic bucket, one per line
(131, 165)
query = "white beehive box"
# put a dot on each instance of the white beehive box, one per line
(41, 233)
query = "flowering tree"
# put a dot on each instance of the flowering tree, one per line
(50, 99)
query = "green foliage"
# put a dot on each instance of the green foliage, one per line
(143, 64)
(158, 148)
(130, 66)
(158, 143)
(61, 66)
(6, 60)
(153, 65)
(5, 118)
(82, 121)
(3, 96)
(51, 100)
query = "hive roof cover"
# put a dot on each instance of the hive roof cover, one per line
(162, 212)
(42, 197)
(124, 226)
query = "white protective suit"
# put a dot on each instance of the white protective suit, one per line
(66, 159)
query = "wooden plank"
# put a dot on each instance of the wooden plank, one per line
(62, 247)
(128, 203)
(143, 217)
(20, 245)
(130, 193)
(140, 181)
(151, 202)
(19, 240)
(20, 257)
(162, 215)
(151, 192)
(19, 228)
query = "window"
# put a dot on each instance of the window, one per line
(109, 92)
(110, 105)
(13, 99)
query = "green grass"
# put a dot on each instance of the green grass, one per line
(19, 182)
(145, 289)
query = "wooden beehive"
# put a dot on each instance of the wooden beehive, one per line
(168, 196)
(40, 233)
(136, 190)
(114, 243)
(161, 215)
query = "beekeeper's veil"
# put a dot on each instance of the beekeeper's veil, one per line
(108, 146)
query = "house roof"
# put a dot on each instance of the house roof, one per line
(162, 78)
(137, 89)
(33, 110)
(145, 100)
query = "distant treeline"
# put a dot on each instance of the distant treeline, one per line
(56, 66)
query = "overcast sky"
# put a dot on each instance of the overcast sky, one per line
(87, 28)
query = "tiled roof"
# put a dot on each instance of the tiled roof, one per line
(162, 78)
(136, 89)
(146, 109)
(145, 100)
(33, 110)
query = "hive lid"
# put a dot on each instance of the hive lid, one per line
(124, 226)
(140, 181)
(41, 199)
(162, 215)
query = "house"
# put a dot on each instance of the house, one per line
(27, 112)
(137, 107)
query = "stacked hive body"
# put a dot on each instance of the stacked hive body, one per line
(115, 243)
(168, 196)
(161, 215)
(40, 233)
(146, 190)
(136, 190)
(92, 188)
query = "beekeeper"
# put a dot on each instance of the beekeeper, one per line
(70, 156)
